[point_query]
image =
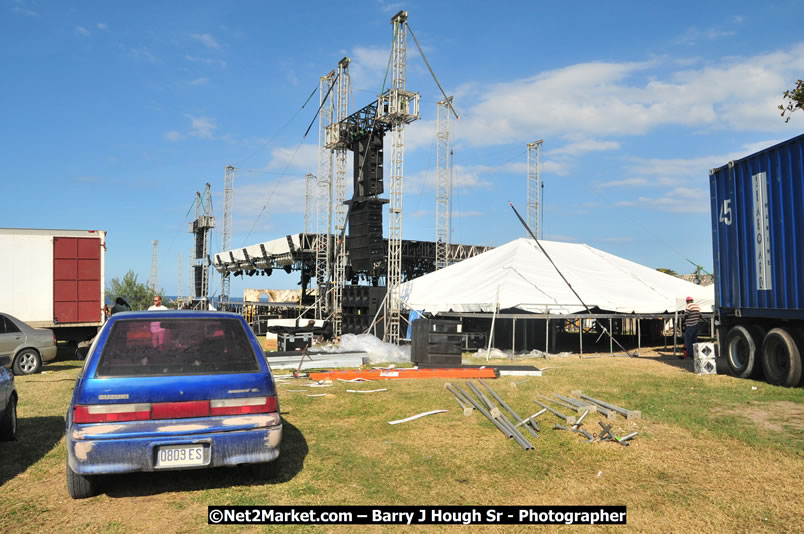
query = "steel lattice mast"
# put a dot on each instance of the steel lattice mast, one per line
(443, 185)
(324, 219)
(154, 281)
(179, 290)
(309, 204)
(228, 201)
(200, 228)
(534, 159)
(342, 111)
(398, 107)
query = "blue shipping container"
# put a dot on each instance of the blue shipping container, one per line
(758, 233)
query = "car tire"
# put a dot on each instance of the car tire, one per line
(781, 358)
(80, 486)
(27, 362)
(742, 350)
(267, 470)
(8, 424)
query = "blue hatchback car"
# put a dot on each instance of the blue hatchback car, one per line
(166, 390)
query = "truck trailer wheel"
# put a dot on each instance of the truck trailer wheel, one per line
(781, 359)
(742, 350)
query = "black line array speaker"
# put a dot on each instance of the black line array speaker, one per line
(435, 341)
(368, 165)
(360, 305)
(198, 273)
(365, 242)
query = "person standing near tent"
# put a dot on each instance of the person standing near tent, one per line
(692, 321)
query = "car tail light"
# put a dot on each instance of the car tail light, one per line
(243, 406)
(105, 413)
(179, 410)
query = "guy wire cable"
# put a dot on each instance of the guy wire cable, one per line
(282, 129)
(605, 331)
(298, 146)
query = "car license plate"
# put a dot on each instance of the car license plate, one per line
(180, 455)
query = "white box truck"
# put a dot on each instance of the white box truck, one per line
(54, 279)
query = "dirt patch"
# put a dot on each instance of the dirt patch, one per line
(772, 416)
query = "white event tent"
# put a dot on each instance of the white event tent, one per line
(518, 275)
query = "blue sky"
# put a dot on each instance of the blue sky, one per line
(114, 114)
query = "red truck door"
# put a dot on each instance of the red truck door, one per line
(76, 280)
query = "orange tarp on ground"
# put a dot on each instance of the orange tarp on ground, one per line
(396, 374)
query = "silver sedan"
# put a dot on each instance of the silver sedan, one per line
(27, 348)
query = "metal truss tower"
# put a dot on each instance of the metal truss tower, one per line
(228, 202)
(534, 178)
(190, 274)
(309, 204)
(339, 279)
(324, 218)
(443, 185)
(154, 281)
(200, 228)
(179, 282)
(397, 107)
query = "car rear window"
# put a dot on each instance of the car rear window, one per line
(180, 346)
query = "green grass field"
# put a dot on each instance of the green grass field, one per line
(713, 454)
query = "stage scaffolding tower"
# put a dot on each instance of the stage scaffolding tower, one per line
(344, 87)
(443, 185)
(324, 219)
(534, 179)
(228, 201)
(398, 107)
(154, 281)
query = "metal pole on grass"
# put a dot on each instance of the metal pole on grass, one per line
(580, 334)
(493, 317)
(513, 337)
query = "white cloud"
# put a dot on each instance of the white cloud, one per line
(83, 32)
(368, 66)
(207, 40)
(593, 100)
(142, 53)
(303, 157)
(678, 200)
(694, 35)
(419, 134)
(103, 26)
(391, 7)
(173, 135)
(587, 145)
(205, 60)
(199, 81)
(626, 182)
(24, 11)
(202, 127)
(469, 214)
(282, 195)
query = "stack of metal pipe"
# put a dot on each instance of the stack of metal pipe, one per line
(484, 405)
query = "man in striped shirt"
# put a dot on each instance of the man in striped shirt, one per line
(692, 321)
